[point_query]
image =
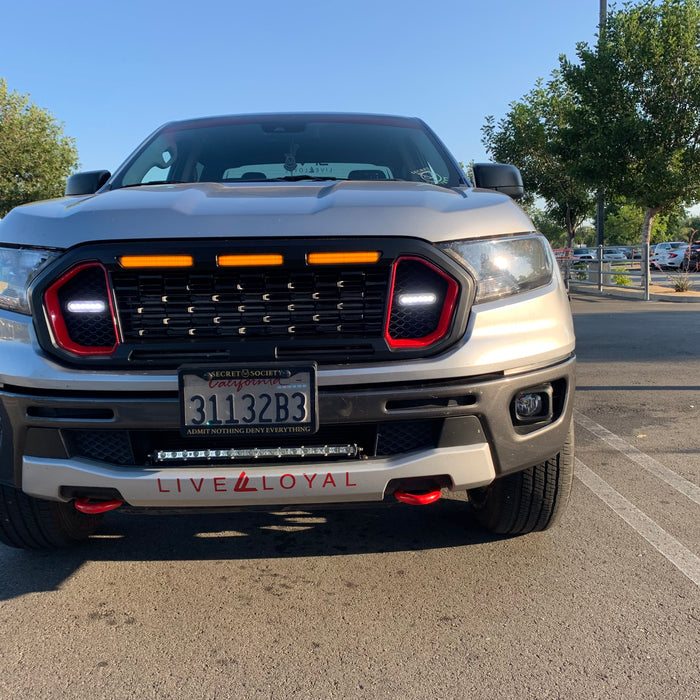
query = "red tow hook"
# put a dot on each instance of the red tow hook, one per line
(417, 499)
(84, 506)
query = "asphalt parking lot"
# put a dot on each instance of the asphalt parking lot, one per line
(406, 602)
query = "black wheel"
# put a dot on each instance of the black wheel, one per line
(530, 500)
(32, 523)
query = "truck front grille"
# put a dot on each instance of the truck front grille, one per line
(164, 304)
(274, 305)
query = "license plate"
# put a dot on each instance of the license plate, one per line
(260, 399)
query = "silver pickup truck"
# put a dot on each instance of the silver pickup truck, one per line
(281, 310)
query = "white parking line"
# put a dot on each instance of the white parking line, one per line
(675, 552)
(687, 488)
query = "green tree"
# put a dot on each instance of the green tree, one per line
(691, 226)
(637, 99)
(555, 233)
(682, 228)
(35, 156)
(623, 223)
(548, 226)
(530, 137)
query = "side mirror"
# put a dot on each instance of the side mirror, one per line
(500, 177)
(86, 183)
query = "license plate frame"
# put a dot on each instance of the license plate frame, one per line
(248, 399)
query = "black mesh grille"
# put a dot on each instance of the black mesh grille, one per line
(92, 330)
(403, 436)
(111, 446)
(415, 277)
(278, 304)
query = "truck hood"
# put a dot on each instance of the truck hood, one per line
(254, 210)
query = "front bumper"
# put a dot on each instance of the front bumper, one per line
(471, 438)
(204, 486)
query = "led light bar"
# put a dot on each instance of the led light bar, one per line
(250, 260)
(256, 453)
(156, 261)
(356, 256)
(417, 299)
(86, 307)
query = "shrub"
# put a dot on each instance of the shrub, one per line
(682, 282)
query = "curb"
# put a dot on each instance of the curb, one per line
(677, 298)
(636, 295)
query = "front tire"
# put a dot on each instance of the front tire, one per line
(529, 500)
(32, 523)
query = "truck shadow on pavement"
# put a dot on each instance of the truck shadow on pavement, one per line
(245, 536)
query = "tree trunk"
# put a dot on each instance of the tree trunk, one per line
(570, 229)
(649, 216)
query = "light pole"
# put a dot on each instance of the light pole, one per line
(600, 208)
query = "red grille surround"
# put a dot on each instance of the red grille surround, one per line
(63, 335)
(440, 326)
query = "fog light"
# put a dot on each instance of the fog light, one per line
(528, 406)
(534, 407)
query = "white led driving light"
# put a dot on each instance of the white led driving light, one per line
(417, 299)
(86, 307)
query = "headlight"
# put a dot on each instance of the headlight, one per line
(18, 267)
(504, 266)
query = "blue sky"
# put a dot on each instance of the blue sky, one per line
(113, 72)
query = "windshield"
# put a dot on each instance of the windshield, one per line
(294, 147)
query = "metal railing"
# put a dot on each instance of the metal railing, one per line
(605, 273)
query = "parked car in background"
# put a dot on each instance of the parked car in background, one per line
(621, 253)
(691, 259)
(673, 259)
(665, 246)
(662, 254)
(613, 254)
(592, 254)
